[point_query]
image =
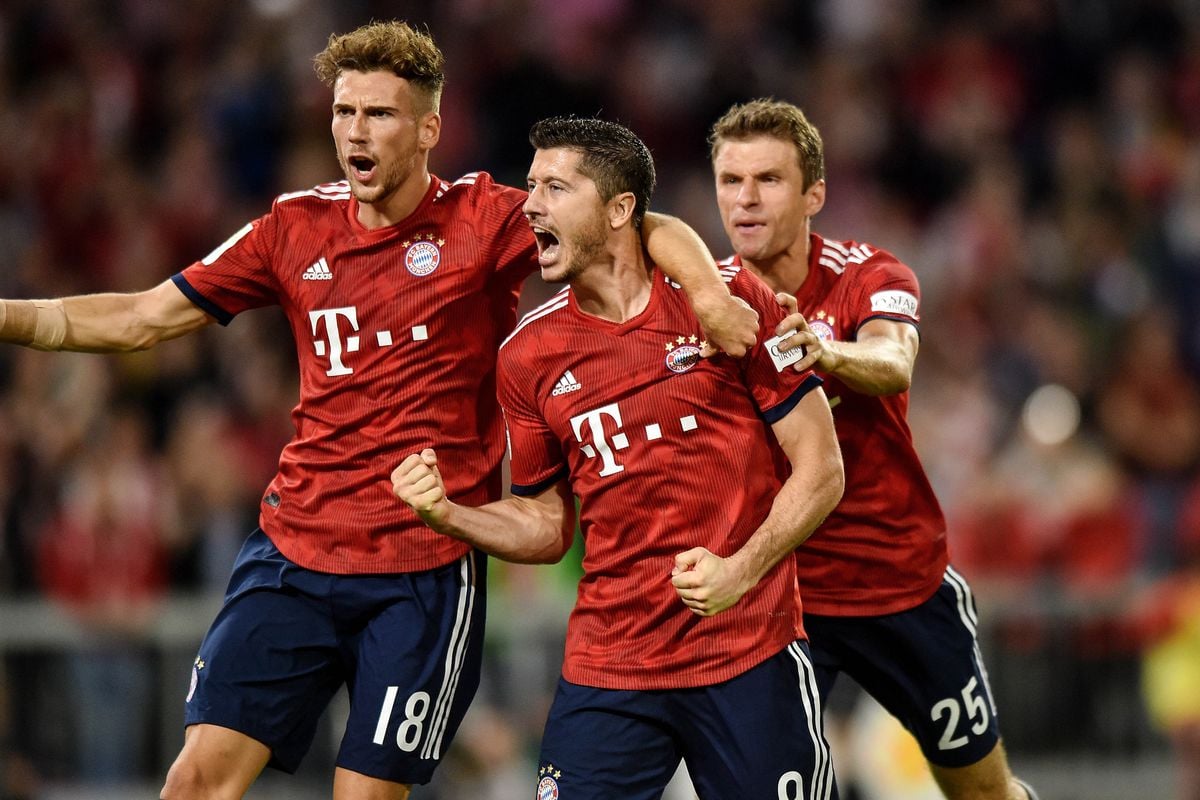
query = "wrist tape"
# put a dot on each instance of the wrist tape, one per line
(40, 324)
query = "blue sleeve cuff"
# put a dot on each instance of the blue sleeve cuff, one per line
(780, 410)
(523, 490)
(203, 303)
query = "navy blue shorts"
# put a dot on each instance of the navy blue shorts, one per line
(923, 665)
(756, 735)
(407, 645)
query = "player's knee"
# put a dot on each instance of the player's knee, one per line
(187, 781)
(981, 781)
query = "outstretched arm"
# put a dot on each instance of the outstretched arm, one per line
(526, 530)
(709, 584)
(729, 322)
(878, 362)
(101, 323)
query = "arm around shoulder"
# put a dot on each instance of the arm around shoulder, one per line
(680, 253)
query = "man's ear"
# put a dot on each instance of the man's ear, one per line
(429, 130)
(814, 199)
(620, 209)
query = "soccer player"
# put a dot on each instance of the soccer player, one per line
(881, 602)
(686, 637)
(398, 287)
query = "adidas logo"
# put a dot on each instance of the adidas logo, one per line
(318, 271)
(566, 383)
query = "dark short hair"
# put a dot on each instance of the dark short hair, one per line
(775, 118)
(614, 157)
(394, 47)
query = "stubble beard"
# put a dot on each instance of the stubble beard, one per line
(586, 249)
(388, 180)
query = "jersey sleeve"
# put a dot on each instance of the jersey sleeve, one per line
(236, 276)
(535, 456)
(514, 246)
(886, 288)
(776, 392)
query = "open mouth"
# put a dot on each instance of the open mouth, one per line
(361, 167)
(547, 244)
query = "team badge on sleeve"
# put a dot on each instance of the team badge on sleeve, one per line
(895, 302)
(423, 256)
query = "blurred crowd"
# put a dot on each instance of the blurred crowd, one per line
(1037, 162)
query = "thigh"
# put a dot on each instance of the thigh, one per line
(414, 644)
(759, 734)
(924, 666)
(604, 743)
(267, 669)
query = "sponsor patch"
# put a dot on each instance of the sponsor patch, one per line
(783, 360)
(895, 302)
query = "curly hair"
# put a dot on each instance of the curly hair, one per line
(393, 46)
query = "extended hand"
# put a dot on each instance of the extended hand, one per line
(705, 582)
(730, 325)
(817, 356)
(418, 483)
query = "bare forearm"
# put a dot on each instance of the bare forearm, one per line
(100, 323)
(108, 323)
(512, 529)
(682, 255)
(875, 367)
(803, 503)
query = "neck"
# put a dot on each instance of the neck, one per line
(398, 205)
(617, 286)
(785, 271)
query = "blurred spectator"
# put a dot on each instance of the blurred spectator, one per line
(103, 556)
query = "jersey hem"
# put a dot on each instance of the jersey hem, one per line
(856, 608)
(339, 566)
(666, 677)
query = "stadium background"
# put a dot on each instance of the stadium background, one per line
(1036, 162)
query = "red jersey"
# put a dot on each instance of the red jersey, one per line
(883, 549)
(666, 451)
(396, 332)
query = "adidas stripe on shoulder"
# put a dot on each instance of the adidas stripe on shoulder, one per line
(545, 309)
(836, 256)
(338, 190)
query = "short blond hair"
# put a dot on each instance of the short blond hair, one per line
(775, 118)
(394, 47)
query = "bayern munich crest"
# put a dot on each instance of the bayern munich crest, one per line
(821, 330)
(683, 353)
(423, 256)
(547, 789)
(822, 327)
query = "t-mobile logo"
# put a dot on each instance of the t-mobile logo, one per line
(603, 446)
(600, 444)
(333, 342)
